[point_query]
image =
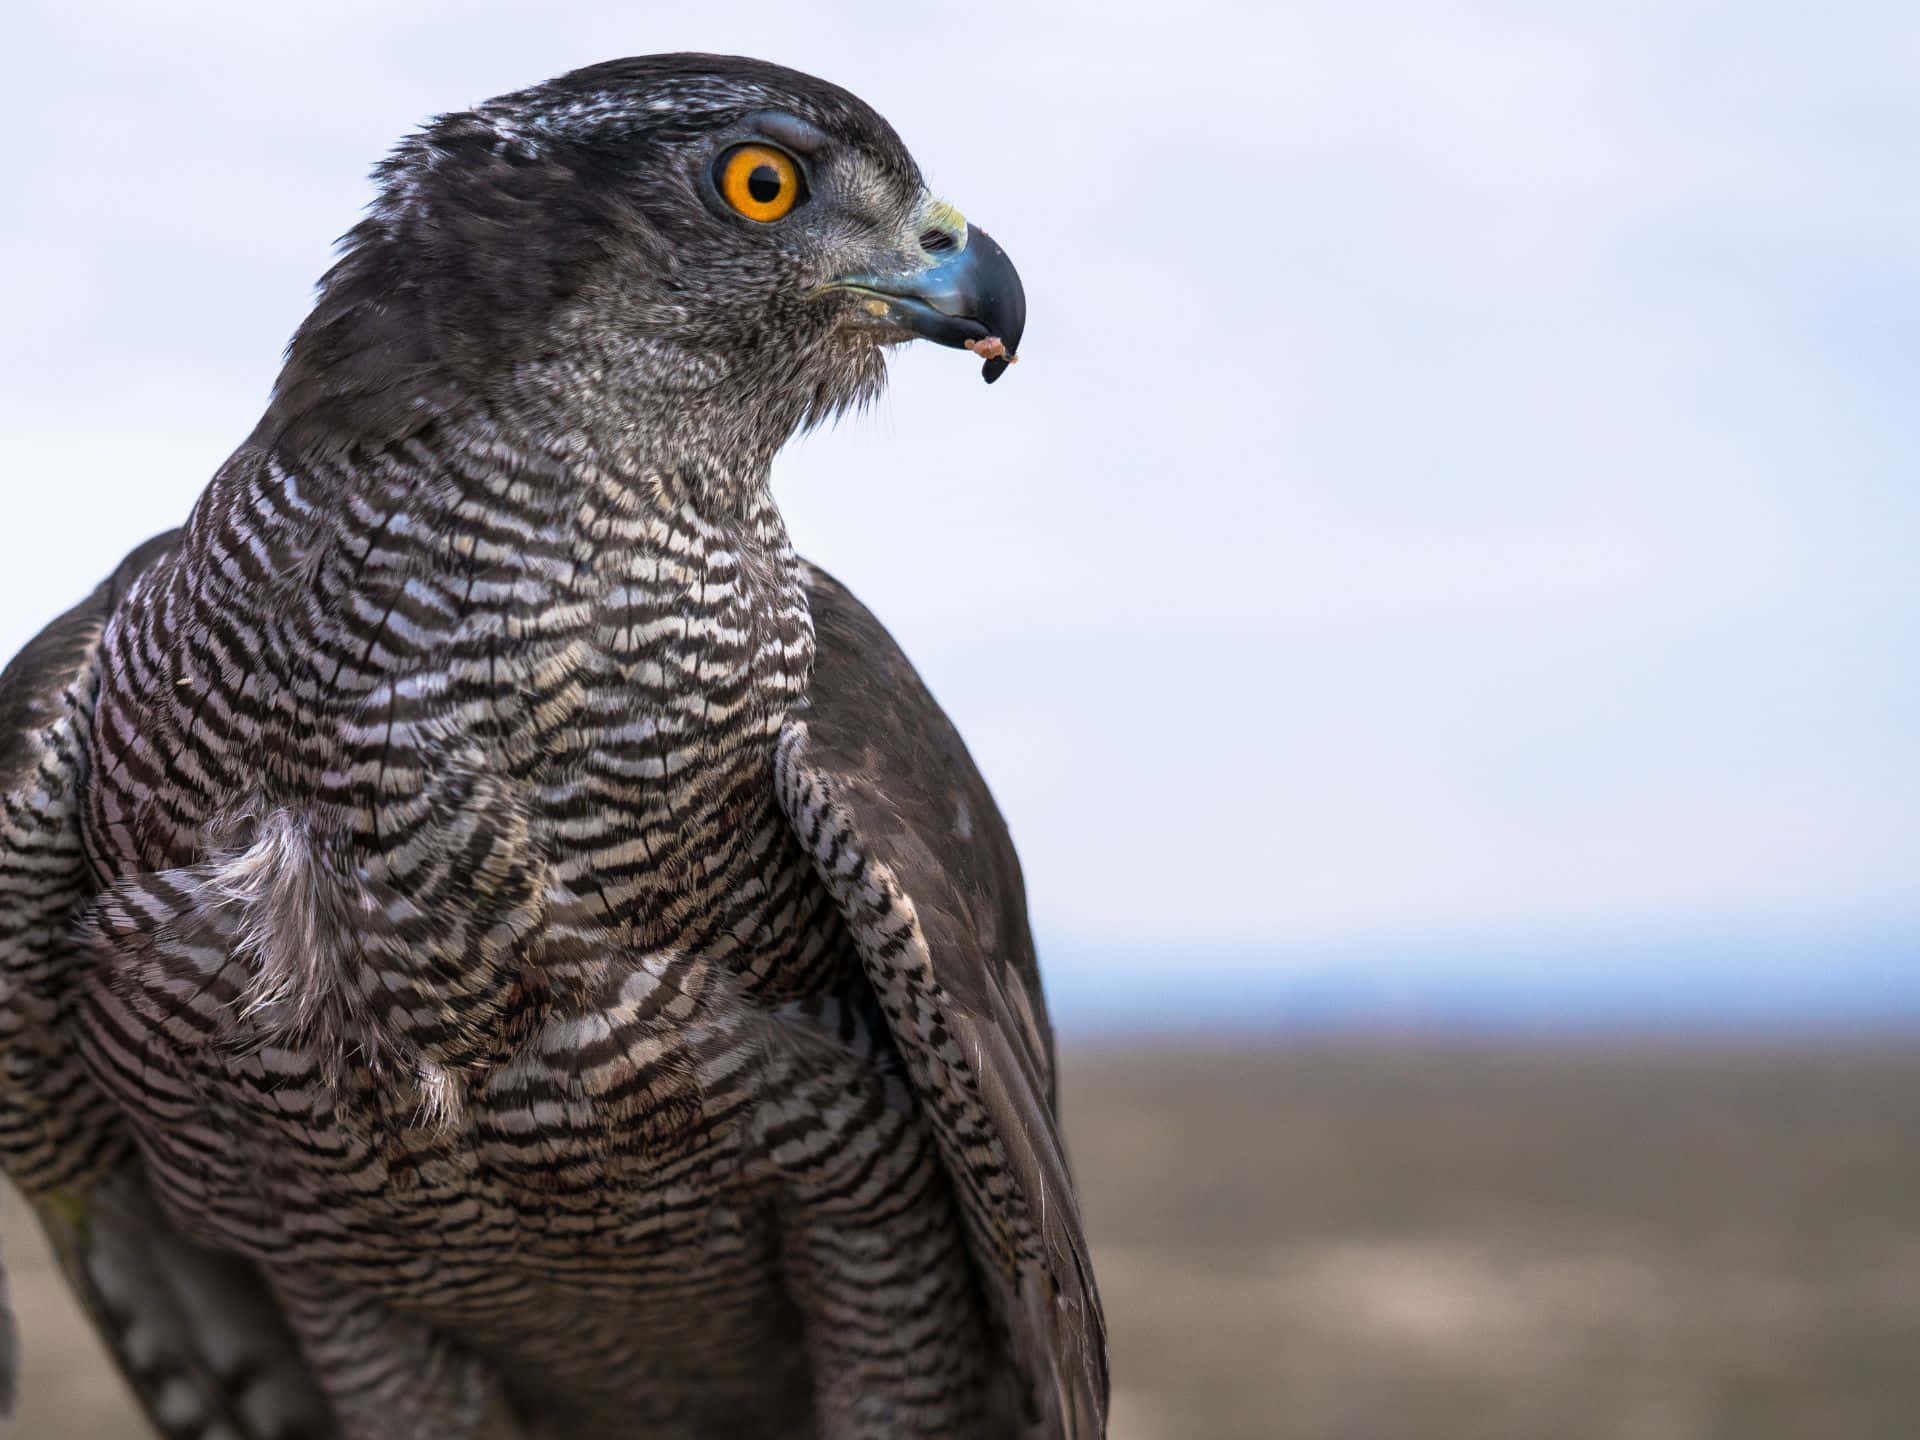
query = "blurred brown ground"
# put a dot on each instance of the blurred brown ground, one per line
(1397, 1241)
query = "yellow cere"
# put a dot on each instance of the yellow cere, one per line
(762, 183)
(939, 215)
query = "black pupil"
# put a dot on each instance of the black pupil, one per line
(764, 184)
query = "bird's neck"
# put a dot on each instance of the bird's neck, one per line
(572, 514)
(483, 556)
(553, 466)
(637, 453)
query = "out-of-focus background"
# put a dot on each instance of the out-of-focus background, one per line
(1437, 604)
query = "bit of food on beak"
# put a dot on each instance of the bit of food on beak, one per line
(992, 348)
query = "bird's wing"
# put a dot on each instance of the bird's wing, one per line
(198, 1335)
(906, 836)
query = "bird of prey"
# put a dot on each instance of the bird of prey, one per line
(492, 943)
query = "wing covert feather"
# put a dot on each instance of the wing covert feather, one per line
(906, 836)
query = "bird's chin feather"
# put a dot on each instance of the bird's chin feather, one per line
(849, 384)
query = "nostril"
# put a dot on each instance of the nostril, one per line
(938, 242)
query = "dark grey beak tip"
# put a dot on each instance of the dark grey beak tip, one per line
(999, 299)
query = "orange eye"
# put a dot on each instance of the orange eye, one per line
(762, 183)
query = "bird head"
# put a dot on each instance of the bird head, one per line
(661, 226)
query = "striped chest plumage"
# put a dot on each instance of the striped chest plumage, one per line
(449, 895)
(339, 638)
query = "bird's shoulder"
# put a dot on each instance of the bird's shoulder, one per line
(35, 686)
(870, 717)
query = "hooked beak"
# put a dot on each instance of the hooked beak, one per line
(969, 298)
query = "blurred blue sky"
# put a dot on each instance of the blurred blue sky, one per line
(1455, 524)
